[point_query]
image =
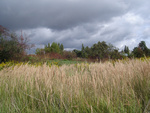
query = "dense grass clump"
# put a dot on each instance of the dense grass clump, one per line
(110, 87)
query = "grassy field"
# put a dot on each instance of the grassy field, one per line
(110, 87)
(62, 62)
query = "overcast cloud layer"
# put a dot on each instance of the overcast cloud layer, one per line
(73, 22)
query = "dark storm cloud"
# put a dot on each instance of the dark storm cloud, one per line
(73, 22)
(56, 14)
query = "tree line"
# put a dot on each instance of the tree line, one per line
(53, 48)
(102, 50)
(14, 47)
(99, 51)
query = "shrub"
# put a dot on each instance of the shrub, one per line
(11, 46)
(69, 55)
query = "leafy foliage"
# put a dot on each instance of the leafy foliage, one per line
(142, 50)
(69, 55)
(39, 51)
(51, 48)
(126, 50)
(100, 50)
(11, 46)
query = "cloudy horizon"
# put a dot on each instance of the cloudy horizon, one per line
(73, 22)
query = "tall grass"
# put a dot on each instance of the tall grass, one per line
(120, 87)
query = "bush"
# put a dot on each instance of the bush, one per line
(11, 46)
(69, 55)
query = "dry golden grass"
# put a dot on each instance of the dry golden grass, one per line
(123, 86)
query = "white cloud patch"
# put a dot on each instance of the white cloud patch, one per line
(134, 19)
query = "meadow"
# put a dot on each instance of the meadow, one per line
(121, 86)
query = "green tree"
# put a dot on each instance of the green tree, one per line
(143, 47)
(99, 50)
(78, 53)
(47, 48)
(11, 46)
(126, 50)
(69, 55)
(87, 52)
(113, 52)
(61, 48)
(39, 51)
(138, 52)
(83, 51)
(55, 48)
(8, 49)
(141, 51)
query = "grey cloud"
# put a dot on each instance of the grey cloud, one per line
(71, 38)
(56, 14)
(140, 7)
(146, 33)
(73, 22)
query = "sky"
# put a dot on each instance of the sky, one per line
(73, 22)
